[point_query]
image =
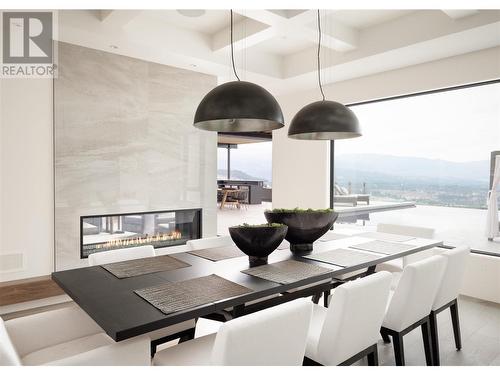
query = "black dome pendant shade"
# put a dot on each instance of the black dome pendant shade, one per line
(324, 119)
(238, 106)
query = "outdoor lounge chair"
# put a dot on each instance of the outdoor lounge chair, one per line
(342, 196)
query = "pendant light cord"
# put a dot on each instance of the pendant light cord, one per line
(319, 60)
(232, 48)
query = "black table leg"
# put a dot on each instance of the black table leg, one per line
(238, 311)
(370, 270)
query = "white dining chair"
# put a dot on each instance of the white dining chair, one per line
(349, 328)
(184, 330)
(66, 337)
(209, 242)
(447, 296)
(397, 265)
(411, 303)
(120, 255)
(275, 336)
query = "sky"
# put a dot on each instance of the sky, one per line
(459, 125)
(254, 159)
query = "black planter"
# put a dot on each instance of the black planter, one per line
(303, 227)
(258, 242)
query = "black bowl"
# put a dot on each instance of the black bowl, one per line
(258, 242)
(303, 227)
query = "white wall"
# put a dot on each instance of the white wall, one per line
(26, 204)
(482, 278)
(300, 168)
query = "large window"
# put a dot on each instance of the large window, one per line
(250, 162)
(432, 149)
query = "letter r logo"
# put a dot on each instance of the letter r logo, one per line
(27, 37)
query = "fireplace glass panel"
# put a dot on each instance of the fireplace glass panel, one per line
(159, 229)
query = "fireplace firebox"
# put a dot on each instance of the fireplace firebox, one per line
(157, 228)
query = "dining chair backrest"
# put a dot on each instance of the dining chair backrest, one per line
(453, 275)
(354, 318)
(406, 230)
(8, 353)
(415, 293)
(275, 336)
(209, 242)
(121, 255)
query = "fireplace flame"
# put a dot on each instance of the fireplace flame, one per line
(127, 242)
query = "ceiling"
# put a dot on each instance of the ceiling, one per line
(278, 48)
(212, 21)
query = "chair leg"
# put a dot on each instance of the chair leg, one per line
(309, 362)
(434, 338)
(426, 336)
(326, 294)
(373, 356)
(153, 349)
(316, 297)
(399, 355)
(456, 325)
(385, 337)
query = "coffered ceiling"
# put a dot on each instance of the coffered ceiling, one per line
(277, 48)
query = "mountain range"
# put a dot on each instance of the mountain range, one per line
(382, 168)
(414, 168)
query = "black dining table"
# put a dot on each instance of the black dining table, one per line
(112, 303)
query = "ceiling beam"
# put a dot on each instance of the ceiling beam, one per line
(246, 34)
(117, 18)
(380, 38)
(341, 37)
(459, 13)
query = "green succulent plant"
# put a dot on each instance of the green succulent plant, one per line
(266, 225)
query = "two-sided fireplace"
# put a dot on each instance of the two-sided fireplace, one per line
(157, 228)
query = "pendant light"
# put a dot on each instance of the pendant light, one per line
(238, 106)
(324, 119)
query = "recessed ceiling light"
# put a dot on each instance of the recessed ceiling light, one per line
(112, 46)
(192, 12)
(193, 65)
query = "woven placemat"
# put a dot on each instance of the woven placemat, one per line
(383, 247)
(343, 257)
(331, 236)
(182, 295)
(287, 271)
(386, 236)
(143, 266)
(218, 253)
